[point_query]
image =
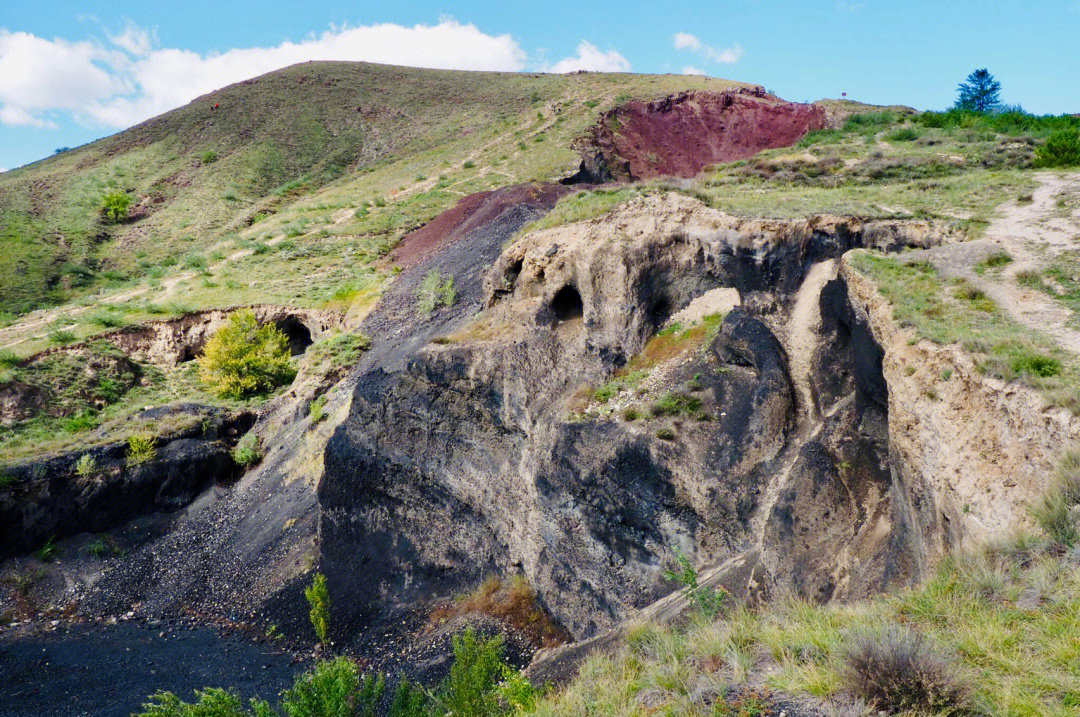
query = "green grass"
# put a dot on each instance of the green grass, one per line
(952, 312)
(268, 170)
(1013, 661)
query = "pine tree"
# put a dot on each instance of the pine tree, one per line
(979, 92)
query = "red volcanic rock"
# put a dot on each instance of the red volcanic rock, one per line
(679, 135)
(468, 214)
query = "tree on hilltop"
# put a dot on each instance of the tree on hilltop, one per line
(980, 92)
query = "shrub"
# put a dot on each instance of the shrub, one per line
(317, 411)
(1062, 149)
(115, 205)
(677, 404)
(907, 134)
(248, 450)
(666, 433)
(1036, 365)
(141, 448)
(244, 358)
(9, 358)
(318, 598)
(209, 157)
(334, 689)
(85, 466)
(471, 686)
(410, 701)
(213, 702)
(1056, 511)
(434, 291)
(896, 671)
(47, 552)
(707, 601)
(60, 336)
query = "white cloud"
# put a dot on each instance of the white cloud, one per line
(691, 70)
(589, 57)
(691, 43)
(133, 39)
(686, 41)
(727, 56)
(131, 79)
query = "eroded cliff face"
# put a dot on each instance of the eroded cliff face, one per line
(978, 449)
(765, 437)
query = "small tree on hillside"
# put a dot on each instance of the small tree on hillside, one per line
(245, 358)
(980, 92)
(115, 205)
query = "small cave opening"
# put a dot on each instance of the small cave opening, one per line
(190, 353)
(513, 273)
(299, 335)
(659, 312)
(566, 304)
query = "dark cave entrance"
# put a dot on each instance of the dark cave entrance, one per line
(566, 304)
(299, 335)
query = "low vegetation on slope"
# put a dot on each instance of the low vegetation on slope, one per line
(353, 156)
(955, 166)
(948, 312)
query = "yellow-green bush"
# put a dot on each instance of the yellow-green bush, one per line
(244, 359)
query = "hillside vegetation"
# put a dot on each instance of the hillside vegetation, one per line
(324, 159)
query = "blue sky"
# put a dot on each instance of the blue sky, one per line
(71, 72)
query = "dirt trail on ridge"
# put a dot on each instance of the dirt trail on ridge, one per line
(1032, 233)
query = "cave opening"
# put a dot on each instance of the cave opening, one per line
(298, 334)
(566, 304)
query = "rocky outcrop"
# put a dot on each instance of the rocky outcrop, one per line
(169, 342)
(979, 450)
(469, 459)
(679, 135)
(51, 498)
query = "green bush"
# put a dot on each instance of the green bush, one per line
(47, 552)
(434, 291)
(317, 411)
(907, 134)
(244, 358)
(1062, 149)
(248, 450)
(213, 702)
(334, 689)
(85, 466)
(141, 448)
(480, 684)
(479, 667)
(707, 601)
(209, 157)
(115, 205)
(318, 598)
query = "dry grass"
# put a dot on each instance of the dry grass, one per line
(514, 602)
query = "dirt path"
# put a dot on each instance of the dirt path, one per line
(1032, 233)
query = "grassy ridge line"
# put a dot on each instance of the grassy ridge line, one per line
(206, 172)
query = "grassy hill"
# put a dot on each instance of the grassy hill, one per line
(391, 145)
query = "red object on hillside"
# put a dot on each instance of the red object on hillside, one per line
(678, 136)
(472, 212)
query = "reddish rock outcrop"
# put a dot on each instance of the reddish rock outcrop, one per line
(679, 135)
(471, 212)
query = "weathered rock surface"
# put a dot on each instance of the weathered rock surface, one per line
(464, 460)
(679, 135)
